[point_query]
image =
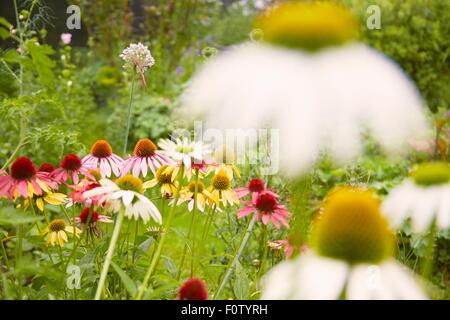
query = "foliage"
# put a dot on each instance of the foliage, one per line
(415, 34)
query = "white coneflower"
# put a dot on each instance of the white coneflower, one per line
(310, 80)
(126, 193)
(138, 56)
(184, 151)
(351, 256)
(423, 197)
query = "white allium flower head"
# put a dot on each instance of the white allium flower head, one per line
(138, 56)
(321, 101)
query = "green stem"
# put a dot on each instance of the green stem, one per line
(127, 129)
(13, 155)
(155, 259)
(18, 258)
(427, 269)
(109, 255)
(237, 255)
(4, 254)
(183, 257)
(194, 214)
(262, 268)
(208, 223)
(136, 231)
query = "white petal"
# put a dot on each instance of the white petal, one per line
(277, 283)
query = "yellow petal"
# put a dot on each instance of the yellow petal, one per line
(40, 204)
(43, 186)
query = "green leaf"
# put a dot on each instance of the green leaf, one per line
(126, 280)
(4, 34)
(5, 23)
(13, 217)
(40, 54)
(11, 56)
(241, 284)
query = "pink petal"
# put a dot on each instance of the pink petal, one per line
(245, 212)
(242, 192)
(126, 165)
(137, 167)
(265, 218)
(23, 188)
(144, 167)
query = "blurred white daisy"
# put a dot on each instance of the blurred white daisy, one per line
(351, 256)
(312, 82)
(126, 192)
(184, 151)
(424, 197)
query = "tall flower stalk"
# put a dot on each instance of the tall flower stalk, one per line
(139, 59)
(111, 248)
(127, 128)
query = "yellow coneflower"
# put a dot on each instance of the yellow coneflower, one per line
(56, 232)
(308, 25)
(221, 190)
(226, 159)
(53, 198)
(165, 178)
(204, 198)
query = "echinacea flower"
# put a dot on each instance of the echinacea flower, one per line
(424, 197)
(221, 189)
(70, 166)
(203, 196)
(53, 198)
(56, 232)
(165, 178)
(193, 289)
(25, 181)
(145, 156)
(204, 168)
(267, 207)
(254, 187)
(91, 217)
(46, 167)
(126, 193)
(102, 157)
(184, 151)
(350, 256)
(310, 81)
(76, 196)
(226, 158)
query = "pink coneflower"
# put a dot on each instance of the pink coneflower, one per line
(46, 167)
(102, 157)
(91, 217)
(193, 289)
(267, 207)
(204, 168)
(254, 187)
(145, 156)
(71, 166)
(76, 196)
(25, 181)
